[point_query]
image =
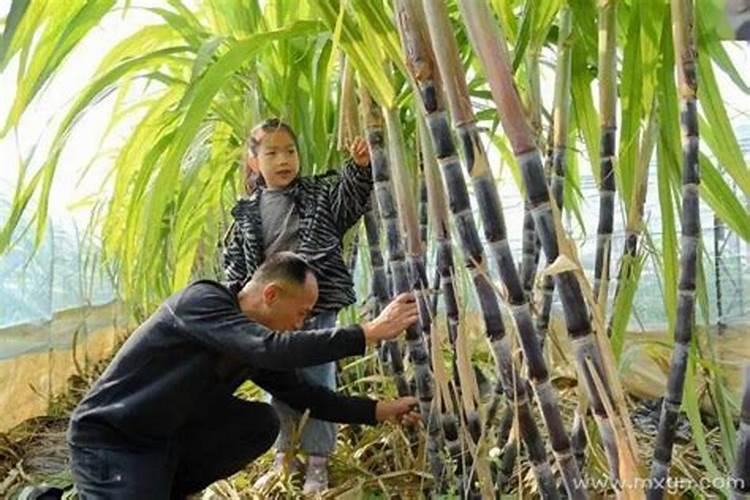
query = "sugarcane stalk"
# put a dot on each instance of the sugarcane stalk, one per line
(489, 43)
(718, 238)
(493, 220)
(348, 127)
(608, 130)
(391, 349)
(387, 205)
(530, 244)
(438, 208)
(685, 56)
(634, 224)
(558, 148)
(420, 64)
(416, 272)
(529, 253)
(423, 211)
(445, 267)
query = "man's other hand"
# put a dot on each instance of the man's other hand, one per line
(403, 410)
(400, 313)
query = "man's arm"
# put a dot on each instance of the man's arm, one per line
(323, 403)
(208, 314)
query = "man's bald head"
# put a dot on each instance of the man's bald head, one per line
(287, 267)
(281, 292)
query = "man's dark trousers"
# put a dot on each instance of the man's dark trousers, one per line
(221, 441)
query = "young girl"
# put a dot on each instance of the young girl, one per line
(307, 215)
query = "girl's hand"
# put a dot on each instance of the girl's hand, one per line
(360, 152)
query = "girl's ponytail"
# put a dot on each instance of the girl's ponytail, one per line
(252, 179)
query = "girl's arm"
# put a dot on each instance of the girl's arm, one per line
(349, 194)
(235, 269)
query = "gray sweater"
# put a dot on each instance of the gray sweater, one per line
(193, 352)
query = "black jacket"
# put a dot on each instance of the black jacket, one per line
(328, 205)
(192, 353)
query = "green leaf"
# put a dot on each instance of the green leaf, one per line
(524, 33)
(360, 52)
(58, 40)
(147, 39)
(691, 404)
(628, 281)
(631, 82)
(586, 117)
(723, 201)
(17, 10)
(191, 33)
(205, 89)
(500, 141)
(720, 57)
(716, 128)
(668, 157)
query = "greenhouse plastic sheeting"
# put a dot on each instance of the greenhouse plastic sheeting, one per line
(63, 273)
(51, 298)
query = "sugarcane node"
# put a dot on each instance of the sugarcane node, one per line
(429, 96)
(441, 136)
(474, 425)
(450, 427)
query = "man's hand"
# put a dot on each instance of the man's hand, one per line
(359, 151)
(403, 410)
(397, 315)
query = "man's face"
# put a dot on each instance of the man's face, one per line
(288, 305)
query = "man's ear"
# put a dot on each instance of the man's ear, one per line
(270, 294)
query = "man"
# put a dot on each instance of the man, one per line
(162, 422)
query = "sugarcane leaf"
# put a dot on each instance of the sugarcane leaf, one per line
(669, 241)
(191, 33)
(586, 117)
(60, 37)
(89, 97)
(723, 201)
(627, 286)
(509, 159)
(358, 50)
(572, 190)
(524, 33)
(586, 25)
(380, 20)
(17, 10)
(631, 86)
(692, 409)
(205, 89)
(507, 17)
(147, 39)
(719, 55)
(562, 264)
(717, 129)
(668, 157)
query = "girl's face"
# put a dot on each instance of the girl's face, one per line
(276, 159)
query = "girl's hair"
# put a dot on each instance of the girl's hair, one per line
(254, 139)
